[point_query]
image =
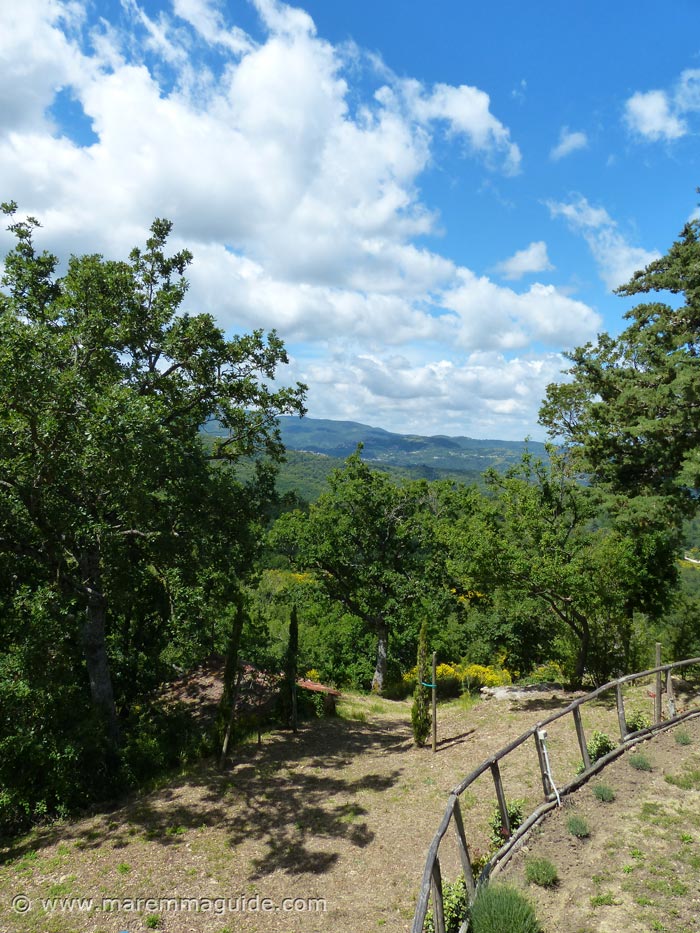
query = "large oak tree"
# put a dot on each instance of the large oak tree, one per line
(110, 502)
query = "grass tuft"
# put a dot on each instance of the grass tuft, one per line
(603, 900)
(640, 762)
(604, 793)
(578, 827)
(541, 871)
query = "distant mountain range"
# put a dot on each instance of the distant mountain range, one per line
(339, 439)
(317, 446)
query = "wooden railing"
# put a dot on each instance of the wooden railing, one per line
(430, 895)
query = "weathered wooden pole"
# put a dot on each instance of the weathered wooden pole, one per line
(657, 697)
(434, 683)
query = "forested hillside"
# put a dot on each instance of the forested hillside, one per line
(141, 530)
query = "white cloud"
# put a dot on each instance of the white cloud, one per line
(687, 93)
(208, 22)
(467, 112)
(533, 258)
(569, 142)
(495, 318)
(662, 115)
(297, 192)
(650, 114)
(616, 258)
(39, 56)
(491, 394)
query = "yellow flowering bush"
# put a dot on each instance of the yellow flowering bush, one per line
(477, 676)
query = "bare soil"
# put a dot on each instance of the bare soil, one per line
(340, 816)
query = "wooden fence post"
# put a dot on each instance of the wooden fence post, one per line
(581, 738)
(501, 797)
(434, 683)
(657, 698)
(438, 908)
(539, 745)
(621, 713)
(670, 696)
(463, 849)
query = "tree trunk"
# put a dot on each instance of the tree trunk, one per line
(382, 647)
(233, 674)
(582, 657)
(94, 643)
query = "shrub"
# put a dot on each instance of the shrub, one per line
(476, 676)
(640, 762)
(637, 720)
(551, 672)
(310, 704)
(604, 793)
(478, 860)
(598, 745)
(454, 904)
(578, 827)
(515, 818)
(449, 680)
(541, 871)
(498, 908)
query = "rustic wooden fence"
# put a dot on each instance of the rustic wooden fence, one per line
(430, 895)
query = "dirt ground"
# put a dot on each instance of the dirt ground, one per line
(328, 830)
(638, 868)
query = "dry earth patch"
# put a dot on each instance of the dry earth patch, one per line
(340, 815)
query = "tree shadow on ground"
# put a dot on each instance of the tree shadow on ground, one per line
(290, 794)
(539, 703)
(446, 744)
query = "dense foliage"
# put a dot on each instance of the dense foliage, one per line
(122, 544)
(134, 544)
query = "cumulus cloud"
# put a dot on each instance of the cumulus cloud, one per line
(533, 258)
(297, 191)
(467, 111)
(616, 258)
(651, 114)
(662, 114)
(492, 317)
(569, 142)
(492, 394)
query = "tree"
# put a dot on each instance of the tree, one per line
(632, 407)
(369, 546)
(111, 504)
(546, 554)
(421, 717)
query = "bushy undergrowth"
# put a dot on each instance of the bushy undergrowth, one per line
(454, 904)
(498, 908)
(598, 745)
(452, 680)
(515, 818)
(637, 720)
(55, 779)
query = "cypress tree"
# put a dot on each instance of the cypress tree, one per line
(421, 718)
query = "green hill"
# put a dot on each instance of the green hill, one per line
(316, 446)
(340, 439)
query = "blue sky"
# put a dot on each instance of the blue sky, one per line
(429, 202)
